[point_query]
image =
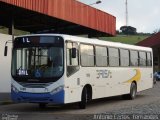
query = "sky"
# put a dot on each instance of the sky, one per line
(142, 14)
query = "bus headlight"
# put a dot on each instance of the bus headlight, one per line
(14, 89)
(58, 89)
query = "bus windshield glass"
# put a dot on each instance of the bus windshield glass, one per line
(37, 58)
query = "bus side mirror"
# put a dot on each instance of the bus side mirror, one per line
(5, 50)
(74, 52)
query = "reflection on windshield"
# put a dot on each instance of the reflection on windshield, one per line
(38, 62)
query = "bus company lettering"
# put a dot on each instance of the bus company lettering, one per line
(103, 74)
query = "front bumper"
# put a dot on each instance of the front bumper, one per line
(25, 97)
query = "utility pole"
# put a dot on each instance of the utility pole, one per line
(11, 27)
(126, 13)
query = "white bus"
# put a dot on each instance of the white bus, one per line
(56, 68)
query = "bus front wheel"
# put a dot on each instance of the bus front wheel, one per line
(83, 102)
(133, 92)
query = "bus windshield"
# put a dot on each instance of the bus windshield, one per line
(43, 61)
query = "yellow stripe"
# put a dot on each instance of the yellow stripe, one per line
(136, 78)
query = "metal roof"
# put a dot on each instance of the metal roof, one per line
(62, 16)
(153, 41)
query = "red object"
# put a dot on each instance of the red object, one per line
(152, 41)
(72, 11)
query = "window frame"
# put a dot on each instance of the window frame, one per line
(121, 57)
(150, 59)
(81, 54)
(106, 56)
(117, 58)
(143, 60)
(68, 41)
(131, 57)
(78, 54)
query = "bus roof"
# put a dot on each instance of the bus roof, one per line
(95, 41)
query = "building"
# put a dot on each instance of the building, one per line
(56, 16)
(154, 43)
(5, 67)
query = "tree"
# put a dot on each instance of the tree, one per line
(128, 30)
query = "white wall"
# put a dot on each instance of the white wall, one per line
(5, 64)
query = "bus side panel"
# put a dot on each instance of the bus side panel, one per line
(146, 81)
(107, 81)
(72, 88)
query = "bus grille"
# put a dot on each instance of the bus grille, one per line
(35, 85)
(35, 99)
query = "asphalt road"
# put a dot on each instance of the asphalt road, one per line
(113, 105)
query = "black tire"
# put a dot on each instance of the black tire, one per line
(133, 92)
(42, 105)
(84, 98)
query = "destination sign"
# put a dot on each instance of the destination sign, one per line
(37, 40)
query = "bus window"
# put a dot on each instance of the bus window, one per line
(133, 58)
(124, 57)
(149, 59)
(113, 57)
(72, 63)
(87, 55)
(142, 58)
(101, 56)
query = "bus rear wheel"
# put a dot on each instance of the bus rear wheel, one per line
(84, 97)
(133, 92)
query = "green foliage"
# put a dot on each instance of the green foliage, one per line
(128, 30)
(130, 39)
(4, 30)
